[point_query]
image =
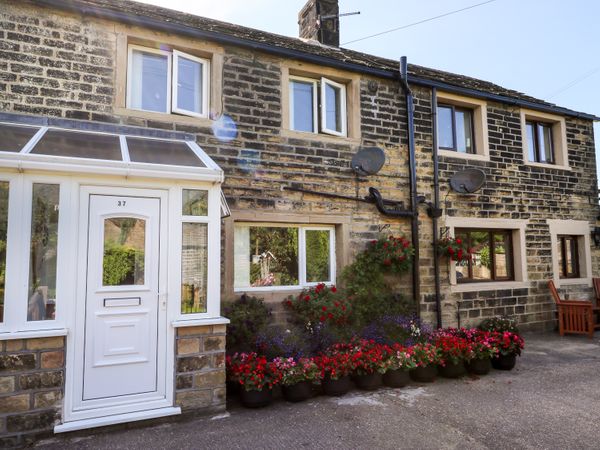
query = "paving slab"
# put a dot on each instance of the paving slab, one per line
(551, 400)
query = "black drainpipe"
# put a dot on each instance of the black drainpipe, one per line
(412, 164)
(436, 207)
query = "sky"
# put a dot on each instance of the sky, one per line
(549, 49)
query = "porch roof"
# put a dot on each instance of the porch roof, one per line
(37, 143)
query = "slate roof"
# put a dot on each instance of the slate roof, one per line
(129, 11)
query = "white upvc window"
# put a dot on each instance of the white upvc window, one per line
(318, 106)
(282, 256)
(167, 82)
(32, 248)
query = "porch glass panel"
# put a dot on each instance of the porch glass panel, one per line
(42, 254)
(194, 268)
(77, 144)
(156, 151)
(4, 187)
(14, 137)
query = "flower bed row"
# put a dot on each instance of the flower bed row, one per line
(449, 352)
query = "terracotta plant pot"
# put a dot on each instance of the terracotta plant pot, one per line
(424, 374)
(368, 382)
(297, 392)
(336, 387)
(452, 370)
(256, 399)
(396, 378)
(504, 362)
(480, 366)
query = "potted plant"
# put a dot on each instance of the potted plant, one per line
(454, 248)
(297, 377)
(368, 360)
(483, 348)
(335, 366)
(509, 347)
(426, 356)
(256, 377)
(454, 351)
(400, 360)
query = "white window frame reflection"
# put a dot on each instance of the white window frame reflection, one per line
(172, 76)
(315, 103)
(342, 112)
(18, 254)
(204, 88)
(131, 76)
(302, 283)
(319, 107)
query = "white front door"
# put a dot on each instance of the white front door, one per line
(124, 339)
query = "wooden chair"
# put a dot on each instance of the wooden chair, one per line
(574, 316)
(596, 283)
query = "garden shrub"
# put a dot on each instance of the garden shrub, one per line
(397, 329)
(249, 316)
(275, 340)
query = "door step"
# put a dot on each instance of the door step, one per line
(116, 419)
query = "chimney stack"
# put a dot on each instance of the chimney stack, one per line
(319, 21)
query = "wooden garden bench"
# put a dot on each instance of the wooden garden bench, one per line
(574, 316)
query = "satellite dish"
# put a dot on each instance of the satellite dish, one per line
(467, 181)
(368, 161)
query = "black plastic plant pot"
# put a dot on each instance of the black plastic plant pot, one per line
(297, 392)
(424, 374)
(452, 370)
(396, 378)
(479, 366)
(504, 362)
(368, 382)
(256, 399)
(337, 387)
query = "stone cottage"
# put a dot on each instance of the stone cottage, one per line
(148, 157)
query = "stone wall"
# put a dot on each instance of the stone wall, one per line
(61, 64)
(31, 388)
(200, 368)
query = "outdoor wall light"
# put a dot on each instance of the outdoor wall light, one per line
(596, 236)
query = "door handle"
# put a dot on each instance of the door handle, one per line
(162, 301)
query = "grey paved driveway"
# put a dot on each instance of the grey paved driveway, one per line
(551, 401)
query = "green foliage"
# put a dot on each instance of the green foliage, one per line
(249, 316)
(321, 304)
(317, 255)
(371, 308)
(500, 324)
(485, 257)
(121, 263)
(282, 243)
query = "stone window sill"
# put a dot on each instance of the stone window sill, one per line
(33, 334)
(573, 282)
(200, 322)
(453, 154)
(492, 286)
(320, 137)
(547, 166)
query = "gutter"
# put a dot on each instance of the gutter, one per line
(221, 38)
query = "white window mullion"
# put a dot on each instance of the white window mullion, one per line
(202, 89)
(301, 256)
(332, 257)
(14, 253)
(341, 111)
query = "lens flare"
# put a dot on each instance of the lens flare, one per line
(225, 129)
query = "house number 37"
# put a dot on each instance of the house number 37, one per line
(121, 202)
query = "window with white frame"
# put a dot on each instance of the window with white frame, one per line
(318, 106)
(571, 251)
(30, 254)
(279, 256)
(167, 81)
(194, 251)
